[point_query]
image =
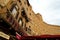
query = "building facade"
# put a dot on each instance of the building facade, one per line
(21, 17)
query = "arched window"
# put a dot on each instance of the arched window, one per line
(14, 9)
(20, 21)
(23, 13)
(14, 12)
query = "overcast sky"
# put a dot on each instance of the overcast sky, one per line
(49, 9)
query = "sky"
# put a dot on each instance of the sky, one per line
(49, 9)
